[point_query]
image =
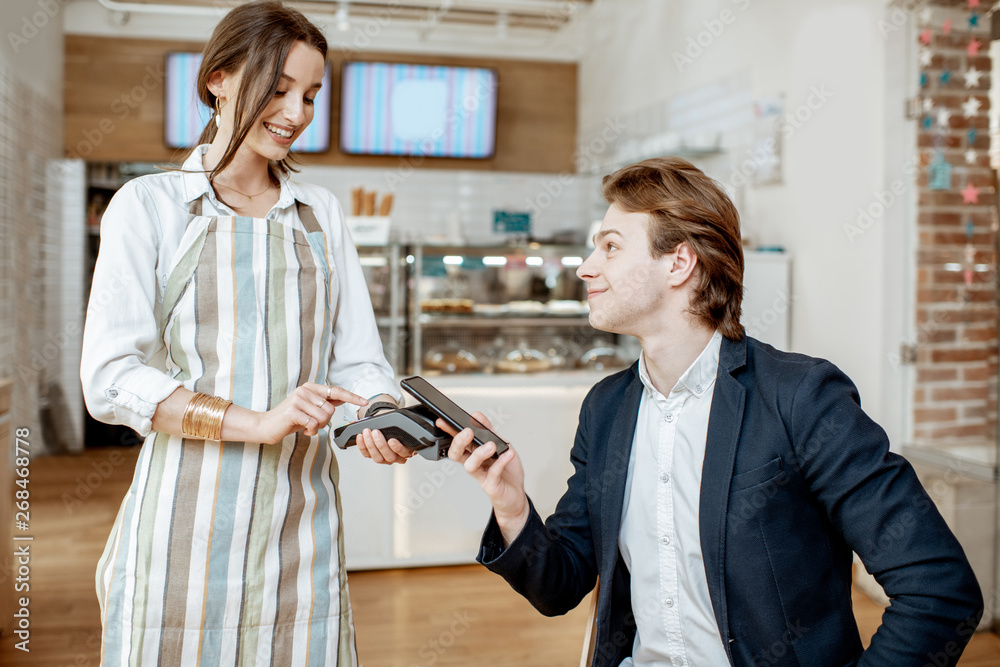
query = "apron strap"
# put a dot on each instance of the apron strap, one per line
(307, 217)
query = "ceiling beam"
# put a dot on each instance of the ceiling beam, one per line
(528, 14)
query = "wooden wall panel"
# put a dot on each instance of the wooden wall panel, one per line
(114, 97)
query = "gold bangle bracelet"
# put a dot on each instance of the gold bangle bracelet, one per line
(203, 417)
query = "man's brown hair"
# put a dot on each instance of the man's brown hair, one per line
(686, 206)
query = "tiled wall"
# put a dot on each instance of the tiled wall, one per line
(446, 206)
(32, 248)
(713, 126)
(67, 179)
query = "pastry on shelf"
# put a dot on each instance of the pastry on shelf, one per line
(526, 307)
(447, 305)
(601, 358)
(523, 359)
(490, 309)
(452, 358)
(564, 307)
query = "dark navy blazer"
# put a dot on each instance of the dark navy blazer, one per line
(796, 477)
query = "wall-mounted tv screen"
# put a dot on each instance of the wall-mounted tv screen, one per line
(426, 110)
(186, 116)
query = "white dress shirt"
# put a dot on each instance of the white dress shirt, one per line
(660, 538)
(122, 368)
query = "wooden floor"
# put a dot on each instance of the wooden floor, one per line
(452, 616)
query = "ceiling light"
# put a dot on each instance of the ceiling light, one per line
(501, 25)
(342, 18)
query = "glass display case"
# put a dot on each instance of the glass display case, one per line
(503, 309)
(486, 309)
(385, 272)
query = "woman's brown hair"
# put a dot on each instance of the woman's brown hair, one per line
(686, 206)
(254, 38)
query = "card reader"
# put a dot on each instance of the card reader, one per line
(412, 426)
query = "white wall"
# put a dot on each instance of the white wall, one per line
(830, 54)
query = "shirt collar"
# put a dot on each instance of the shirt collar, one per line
(196, 183)
(699, 376)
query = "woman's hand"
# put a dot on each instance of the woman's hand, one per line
(307, 409)
(502, 479)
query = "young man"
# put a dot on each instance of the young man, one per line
(720, 485)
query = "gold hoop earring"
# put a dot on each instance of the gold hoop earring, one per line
(218, 113)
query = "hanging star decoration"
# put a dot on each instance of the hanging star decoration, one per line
(971, 107)
(972, 76)
(943, 117)
(925, 57)
(971, 137)
(974, 21)
(928, 105)
(946, 27)
(945, 76)
(927, 122)
(974, 45)
(970, 195)
(926, 15)
(925, 36)
(971, 156)
(973, 4)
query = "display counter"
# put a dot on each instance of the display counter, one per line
(432, 512)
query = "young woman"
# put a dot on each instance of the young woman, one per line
(229, 317)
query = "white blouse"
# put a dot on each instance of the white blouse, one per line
(123, 354)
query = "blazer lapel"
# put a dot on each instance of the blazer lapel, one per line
(724, 422)
(615, 467)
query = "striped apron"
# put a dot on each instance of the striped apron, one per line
(231, 553)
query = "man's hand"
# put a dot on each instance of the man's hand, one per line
(502, 479)
(374, 446)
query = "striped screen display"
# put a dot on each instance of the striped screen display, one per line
(434, 111)
(186, 116)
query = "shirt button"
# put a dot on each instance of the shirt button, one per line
(665, 477)
(665, 539)
(112, 393)
(697, 389)
(669, 602)
(668, 417)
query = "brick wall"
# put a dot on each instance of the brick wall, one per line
(956, 369)
(30, 244)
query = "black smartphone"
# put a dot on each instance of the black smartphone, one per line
(447, 410)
